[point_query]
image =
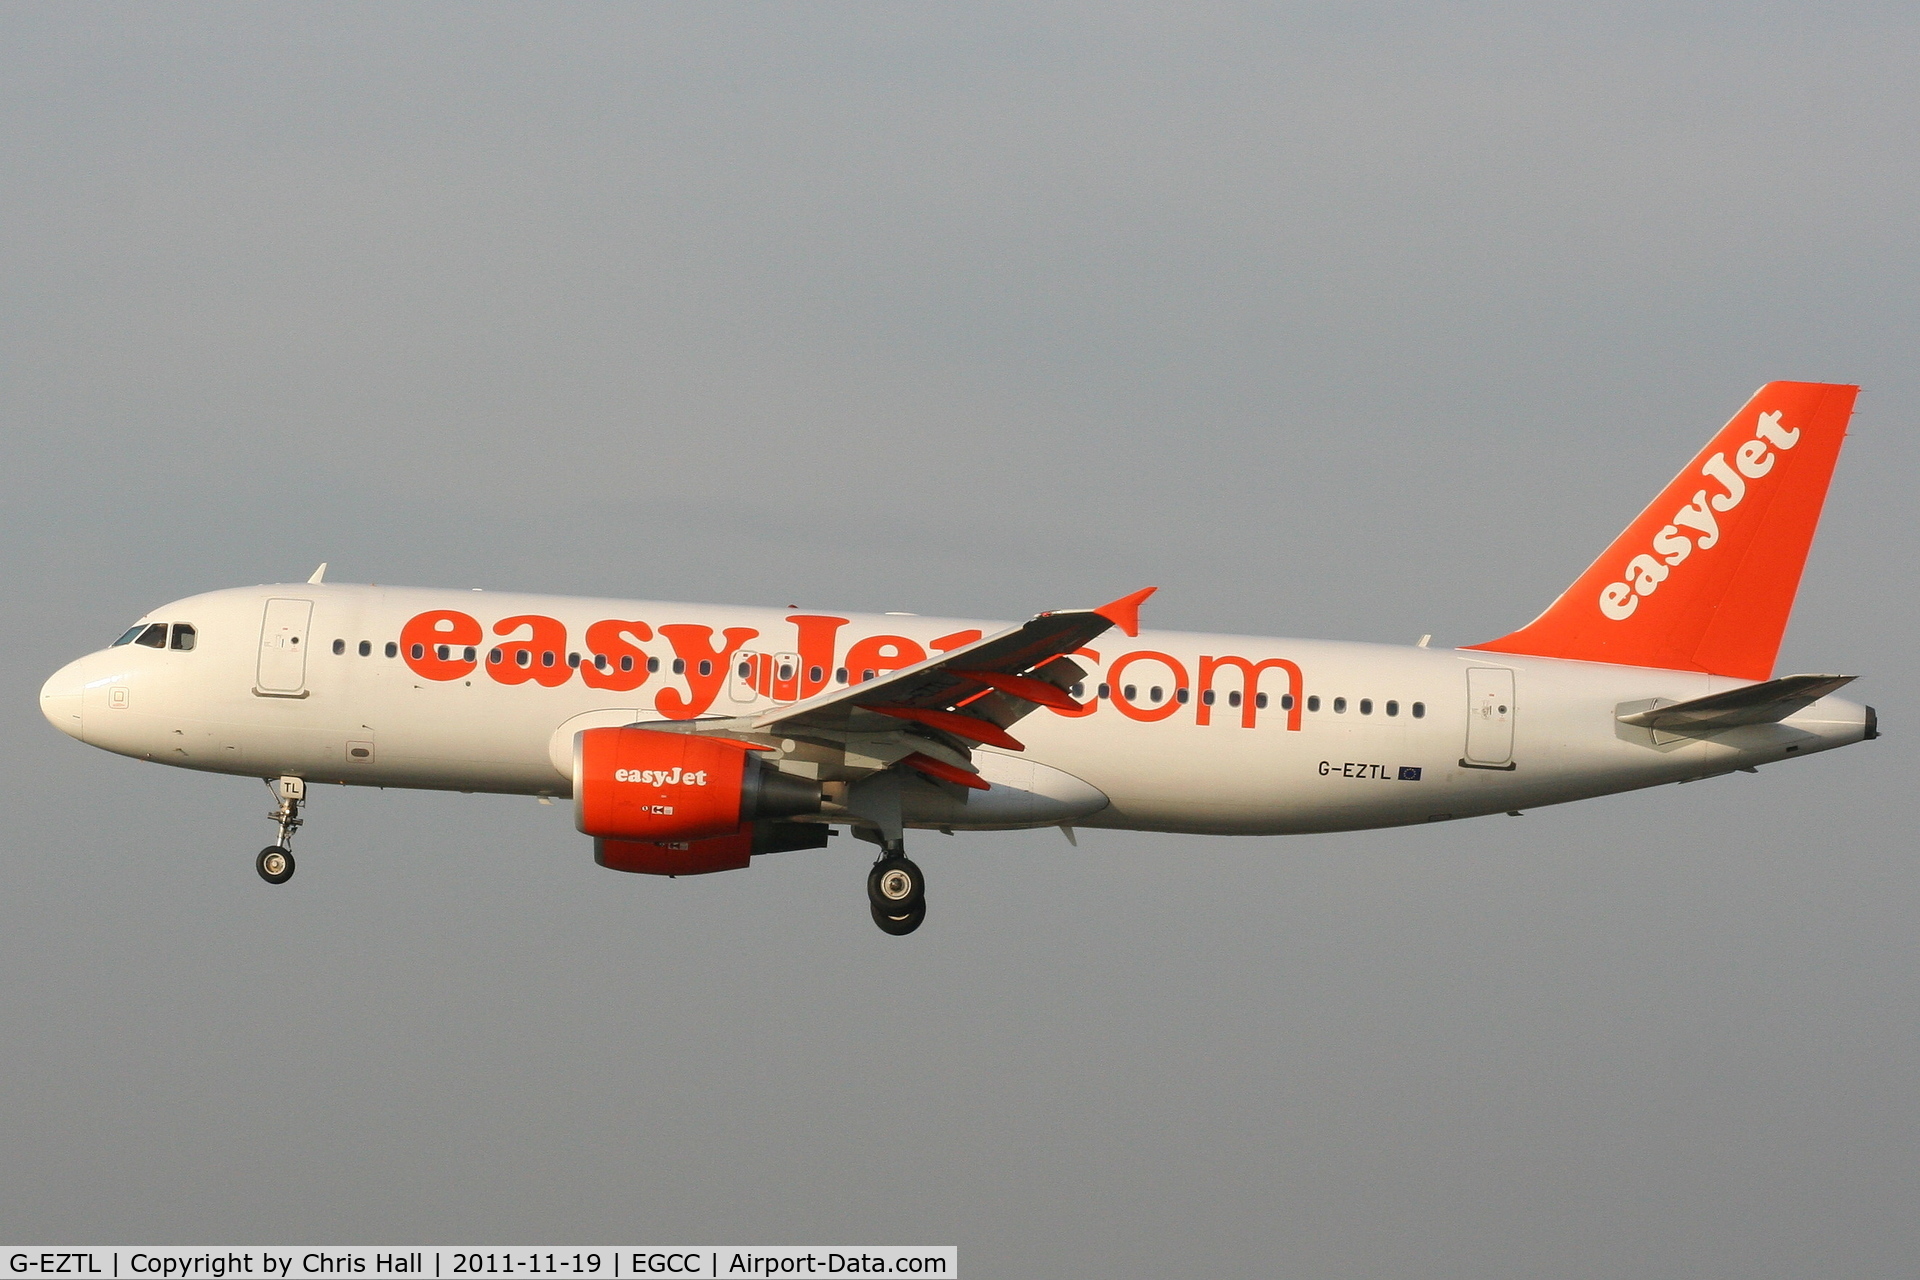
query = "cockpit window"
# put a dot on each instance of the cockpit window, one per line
(183, 636)
(154, 637)
(132, 631)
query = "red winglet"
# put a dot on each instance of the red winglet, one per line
(1047, 695)
(968, 727)
(945, 772)
(1124, 613)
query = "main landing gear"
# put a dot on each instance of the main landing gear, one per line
(275, 863)
(897, 890)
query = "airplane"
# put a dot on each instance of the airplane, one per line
(694, 738)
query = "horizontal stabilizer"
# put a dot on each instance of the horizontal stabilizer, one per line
(1764, 703)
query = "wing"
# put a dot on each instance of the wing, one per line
(971, 694)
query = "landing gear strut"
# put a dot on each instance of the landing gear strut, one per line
(275, 863)
(897, 890)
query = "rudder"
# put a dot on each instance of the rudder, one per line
(1704, 578)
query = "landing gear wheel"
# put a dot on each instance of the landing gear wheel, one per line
(274, 864)
(900, 926)
(896, 886)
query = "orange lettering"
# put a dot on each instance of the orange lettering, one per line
(626, 662)
(881, 654)
(1250, 688)
(541, 657)
(424, 634)
(1125, 704)
(1087, 707)
(693, 645)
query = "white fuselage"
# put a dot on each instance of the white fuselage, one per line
(264, 693)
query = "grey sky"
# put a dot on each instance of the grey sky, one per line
(1329, 320)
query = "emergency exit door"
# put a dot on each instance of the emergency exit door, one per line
(283, 647)
(1489, 718)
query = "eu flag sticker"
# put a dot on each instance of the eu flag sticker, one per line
(1409, 773)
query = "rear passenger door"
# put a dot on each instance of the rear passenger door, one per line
(1489, 718)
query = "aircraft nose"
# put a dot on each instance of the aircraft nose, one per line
(60, 699)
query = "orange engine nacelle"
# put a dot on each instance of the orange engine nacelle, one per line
(677, 803)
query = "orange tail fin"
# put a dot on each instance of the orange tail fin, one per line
(1704, 579)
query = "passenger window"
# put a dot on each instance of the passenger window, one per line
(840, 675)
(339, 646)
(814, 675)
(1286, 702)
(1233, 698)
(679, 666)
(442, 652)
(1079, 689)
(1393, 708)
(466, 654)
(184, 636)
(653, 664)
(1419, 710)
(1153, 694)
(867, 674)
(546, 659)
(1260, 701)
(419, 651)
(600, 661)
(1339, 706)
(366, 648)
(573, 660)
(1132, 691)
(1104, 692)
(154, 637)
(1206, 698)
(494, 657)
(745, 670)
(128, 638)
(626, 662)
(1313, 702)
(393, 650)
(523, 657)
(706, 666)
(1366, 706)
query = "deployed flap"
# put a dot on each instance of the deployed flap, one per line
(1765, 703)
(959, 692)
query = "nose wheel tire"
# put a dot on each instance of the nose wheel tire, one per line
(896, 884)
(901, 926)
(897, 891)
(274, 864)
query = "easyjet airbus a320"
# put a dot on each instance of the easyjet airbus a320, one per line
(692, 738)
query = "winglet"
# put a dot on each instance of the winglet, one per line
(1124, 613)
(320, 574)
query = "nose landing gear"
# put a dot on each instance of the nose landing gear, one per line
(275, 863)
(897, 892)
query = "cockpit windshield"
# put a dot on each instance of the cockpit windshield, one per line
(154, 636)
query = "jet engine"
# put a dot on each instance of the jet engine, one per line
(677, 800)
